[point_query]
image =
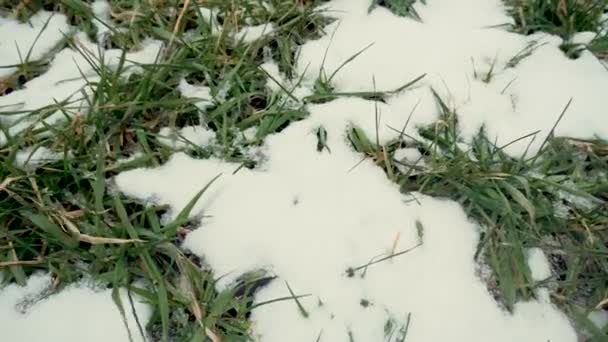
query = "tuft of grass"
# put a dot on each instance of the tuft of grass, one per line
(560, 17)
(564, 18)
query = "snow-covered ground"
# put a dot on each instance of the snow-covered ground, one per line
(308, 216)
(79, 312)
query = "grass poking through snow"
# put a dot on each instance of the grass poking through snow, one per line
(564, 18)
(555, 200)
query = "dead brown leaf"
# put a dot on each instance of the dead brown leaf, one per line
(71, 228)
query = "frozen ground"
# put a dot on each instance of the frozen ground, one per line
(313, 220)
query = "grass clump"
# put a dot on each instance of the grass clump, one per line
(560, 17)
(555, 201)
(564, 18)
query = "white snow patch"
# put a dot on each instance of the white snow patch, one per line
(64, 81)
(77, 313)
(134, 156)
(408, 157)
(17, 39)
(538, 264)
(457, 49)
(197, 135)
(249, 34)
(278, 83)
(209, 16)
(31, 158)
(577, 201)
(101, 10)
(583, 37)
(275, 79)
(250, 133)
(198, 92)
(307, 217)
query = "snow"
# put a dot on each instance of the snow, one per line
(29, 314)
(583, 37)
(306, 217)
(197, 135)
(201, 93)
(249, 134)
(209, 16)
(275, 78)
(31, 158)
(18, 39)
(64, 81)
(277, 82)
(407, 158)
(456, 48)
(249, 34)
(538, 264)
(101, 10)
(135, 155)
(408, 154)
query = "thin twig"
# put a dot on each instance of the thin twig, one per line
(351, 270)
(4, 264)
(178, 22)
